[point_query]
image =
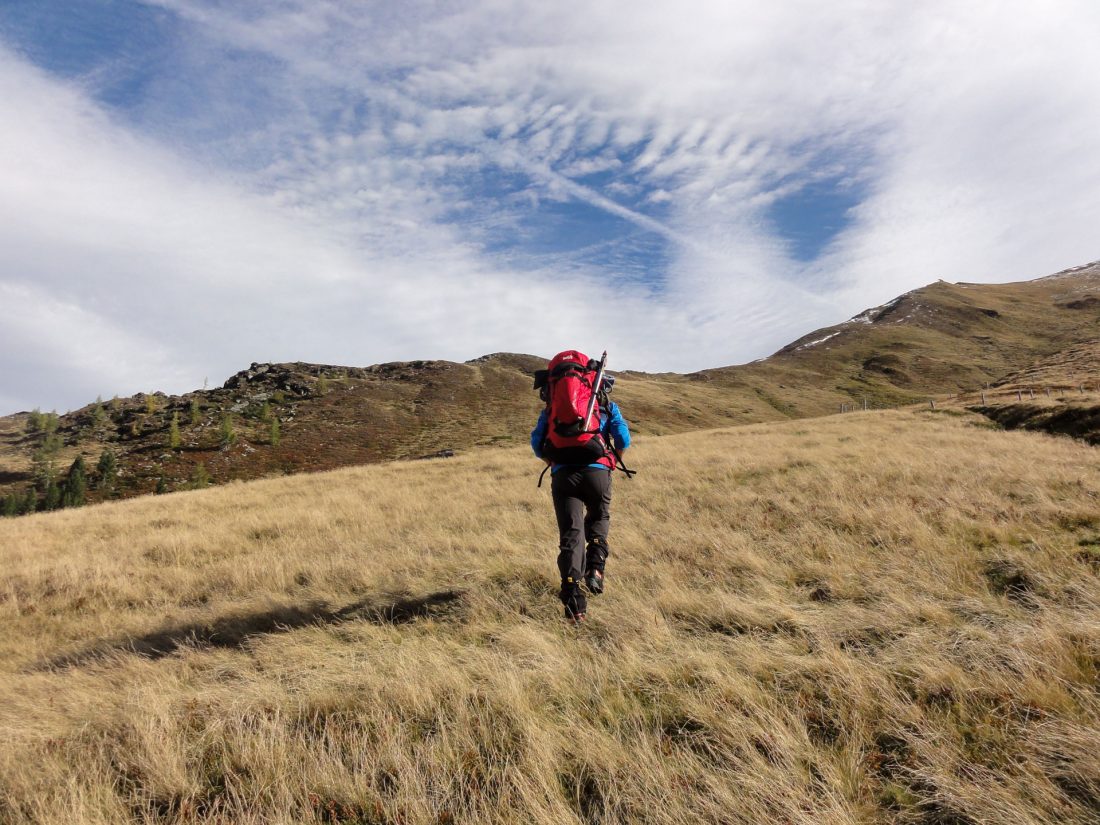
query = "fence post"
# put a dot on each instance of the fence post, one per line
(933, 403)
(1019, 396)
(1031, 392)
(983, 398)
(1048, 391)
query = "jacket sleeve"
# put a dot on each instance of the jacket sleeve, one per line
(617, 427)
(538, 435)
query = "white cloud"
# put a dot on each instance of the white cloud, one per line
(130, 268)
(126, 269)
(732, 98)
(991, 171)
(356, 236)
(49, 341)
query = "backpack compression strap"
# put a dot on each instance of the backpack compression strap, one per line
(620, 466)
(605, 413)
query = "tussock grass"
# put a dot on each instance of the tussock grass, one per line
(877, 617)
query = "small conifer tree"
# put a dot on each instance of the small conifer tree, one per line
(11, 504)
(228, 433)
(150, 404)
(275, 434)
(107, 470)
(51, 443)
(322, 385)
(36, 421)
(76, 485)
(99, 415)
(200, 477)
(30, 502)
(43, 460)
(162, 486)
(52, 499)
(196, 413)
(174, 440)
(265, 412)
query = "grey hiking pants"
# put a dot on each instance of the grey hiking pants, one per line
(582, 504)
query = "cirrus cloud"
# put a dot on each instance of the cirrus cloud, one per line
(689, 184)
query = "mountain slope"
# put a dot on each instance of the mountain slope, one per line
(942, 338)
(939, 339)
(801, 626)
(1059, 394)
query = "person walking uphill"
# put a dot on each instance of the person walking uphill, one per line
(581, 436)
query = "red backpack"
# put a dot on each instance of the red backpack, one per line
(567, 386)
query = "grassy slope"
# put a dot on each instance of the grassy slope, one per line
(879, 617)
(1058, 394)
(1075, 368)
(939, 339)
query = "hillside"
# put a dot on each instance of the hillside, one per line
(937, 340)
(942, 338)
(884, 617)
(1059, 394)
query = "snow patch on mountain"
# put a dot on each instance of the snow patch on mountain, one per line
(809, 344)
(868, 315)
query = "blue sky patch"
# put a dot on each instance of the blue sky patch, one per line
(72, 38)
(812, 216)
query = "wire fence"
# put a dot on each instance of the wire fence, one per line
(985, 397)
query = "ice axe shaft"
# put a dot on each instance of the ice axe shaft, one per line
(595, 391)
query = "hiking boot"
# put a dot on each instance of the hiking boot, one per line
(593, 580)
(595, 558)
(575, 604)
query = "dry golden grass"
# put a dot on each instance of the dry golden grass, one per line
(13, 461)
(879, 617)
(1068, 376)
(1059, 394)
(1071, 370)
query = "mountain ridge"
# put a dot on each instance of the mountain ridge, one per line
(279, 418)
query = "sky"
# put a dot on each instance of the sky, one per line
(189, 186)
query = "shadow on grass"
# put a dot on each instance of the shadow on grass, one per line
(236, 630)
(1075, 421)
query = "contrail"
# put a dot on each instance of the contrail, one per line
(592, 197)
(254, 37)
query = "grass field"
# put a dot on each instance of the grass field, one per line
(871, 618)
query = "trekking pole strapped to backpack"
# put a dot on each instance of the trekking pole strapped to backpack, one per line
(595, 390)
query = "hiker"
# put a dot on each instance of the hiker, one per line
(580, 459)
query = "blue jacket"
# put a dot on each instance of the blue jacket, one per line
(614, 428)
